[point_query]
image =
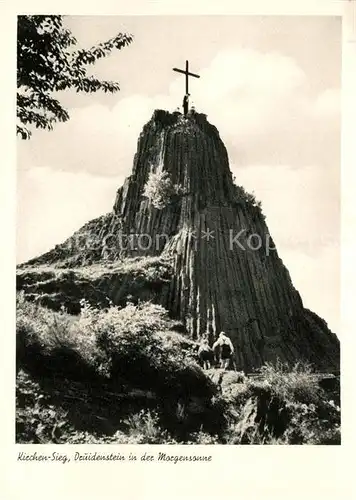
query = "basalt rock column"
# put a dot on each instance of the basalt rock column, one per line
(227, 273)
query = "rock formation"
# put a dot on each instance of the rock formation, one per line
(222, 271)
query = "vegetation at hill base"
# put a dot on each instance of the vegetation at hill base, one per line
(128, 375)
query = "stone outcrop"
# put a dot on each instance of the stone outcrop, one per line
(133, 280)
(225, 272)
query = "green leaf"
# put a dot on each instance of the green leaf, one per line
(44, 66)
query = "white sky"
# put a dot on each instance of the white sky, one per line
(271, 85)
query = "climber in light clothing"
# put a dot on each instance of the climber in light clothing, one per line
(224, 350)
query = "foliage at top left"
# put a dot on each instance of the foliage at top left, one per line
(49, 61)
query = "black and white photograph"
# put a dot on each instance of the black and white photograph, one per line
(178, 230)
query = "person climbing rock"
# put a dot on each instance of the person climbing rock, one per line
(186, 104)
(205, 354)
(224, 350)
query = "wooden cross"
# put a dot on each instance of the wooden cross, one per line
(187, 74)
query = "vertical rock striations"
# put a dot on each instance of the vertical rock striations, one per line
(226, 273)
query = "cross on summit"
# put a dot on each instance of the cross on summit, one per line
(187, 74)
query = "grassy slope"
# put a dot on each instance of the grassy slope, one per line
(125, 375)
(99, 284)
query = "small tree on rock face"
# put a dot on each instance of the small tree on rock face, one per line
(47, 62)
(243, 196)
(160, 189)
